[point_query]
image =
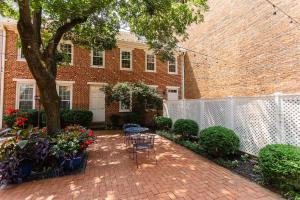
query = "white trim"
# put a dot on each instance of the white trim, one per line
(96, 83)
(22, 80)
(176, 66)
(126, 50)
(172, 87)
(72, 49)
(19, 83)
(153, 86)
(66, 84)
(92, 57)
(2, 71)
(19, 58)
(146, 54)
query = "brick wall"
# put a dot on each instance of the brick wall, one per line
(82, 73)
(261, 50)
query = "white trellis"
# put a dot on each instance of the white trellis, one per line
(258, 121)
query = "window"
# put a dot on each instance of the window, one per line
(97, 58)
(67, 50)
(125, 106)
(150, 63)
(21, 56)
(172, 93)
(172, 66)
(25, 96)
(126, 60)
(64, 93)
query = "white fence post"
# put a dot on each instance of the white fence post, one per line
(183, 106)
(279, 117)
(202, 115)
(230, 120)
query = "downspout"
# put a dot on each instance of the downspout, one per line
(2, 68)
(182, 76)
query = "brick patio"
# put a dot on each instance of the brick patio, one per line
(111, 174)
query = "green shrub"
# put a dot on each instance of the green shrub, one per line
(163, 123)
(187, 128)
(219, 141)
(115, 120)
(133, 117)
(81, 117)
(280, 166)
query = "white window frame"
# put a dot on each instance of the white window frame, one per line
(18, 85)
(92, 60)
(130, 107)
(126, 50)
(173, 88)
(66, 84)
(176, 66)
(146, 62)
(19, 55)
(72, 49)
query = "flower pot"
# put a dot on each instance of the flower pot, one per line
(71, 164)
(25, 169)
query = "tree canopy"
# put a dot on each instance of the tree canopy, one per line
(95, 23)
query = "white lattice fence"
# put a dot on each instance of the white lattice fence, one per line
(258, 121)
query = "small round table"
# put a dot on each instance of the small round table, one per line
(136, 130)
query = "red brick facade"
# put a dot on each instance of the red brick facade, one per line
(81, 72)
(250, 50)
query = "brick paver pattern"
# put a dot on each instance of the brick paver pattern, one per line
(111, 174)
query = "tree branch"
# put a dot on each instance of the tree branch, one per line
(53, 43)
(37, 23)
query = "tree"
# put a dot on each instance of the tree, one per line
(94, 24)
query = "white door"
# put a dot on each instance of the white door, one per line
(172, 94)
(97, 103)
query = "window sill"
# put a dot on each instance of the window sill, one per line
(98, 66)
(126, 69)
(151, 71)
(173, 73)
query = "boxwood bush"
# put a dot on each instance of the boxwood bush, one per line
(280, 166)
(187, 128)
(81, 117)
(219, 141)
(163, 123)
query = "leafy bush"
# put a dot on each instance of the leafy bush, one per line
(280, 166)
(133, 117)
(163, 123)
(82, 117)
(187, 128)
(115, 120)
(219, 141)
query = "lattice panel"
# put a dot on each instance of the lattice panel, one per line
(215, 113)
(255, 123)
(193, 110)
(175, 110)
(290, 120)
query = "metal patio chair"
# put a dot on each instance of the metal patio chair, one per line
(143, 143)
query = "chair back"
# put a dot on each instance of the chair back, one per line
(147, 139)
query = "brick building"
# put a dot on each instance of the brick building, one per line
(79, 82)
(252, 49)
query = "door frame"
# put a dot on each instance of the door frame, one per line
(97, 84)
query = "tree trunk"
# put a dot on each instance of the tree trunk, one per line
(51, 103)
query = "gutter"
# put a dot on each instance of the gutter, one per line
(2, 70)
(182, 76)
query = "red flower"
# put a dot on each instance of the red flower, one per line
(44, 130)
(11, 111)
(21, 121)
(88, 142)
(91, 133)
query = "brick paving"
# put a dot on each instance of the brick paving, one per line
(111, 174)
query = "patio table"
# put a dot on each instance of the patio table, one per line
(136, 130)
